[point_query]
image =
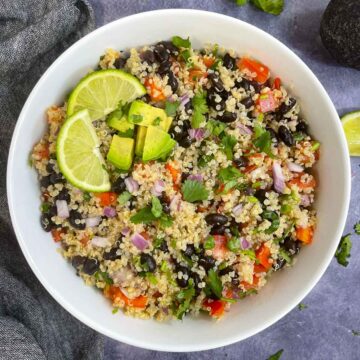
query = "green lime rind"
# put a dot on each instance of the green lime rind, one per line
(78, 154)
(351, 126)
(101, 92)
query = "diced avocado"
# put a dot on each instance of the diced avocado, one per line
(118, 121)
(157, 143)
(144, 114)
(121, 152)
(140, 140)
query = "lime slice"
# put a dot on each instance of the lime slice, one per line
(101, 92)
(78, 154)
(351, 126)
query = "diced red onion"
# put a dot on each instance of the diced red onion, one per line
(244, 243)
(278, 177)
(158, 188)
(294, 167)
(237, 209)
(171, 98)
(131, 184)
(244, 129)
(62, 209)
(109, 211)
(184, 100)
(165, 310)
(139, 241)
(305, 200)
(92, 221)
(175, 203)
(195, 177)
(125, 231)
(198, 134)
(100, 241)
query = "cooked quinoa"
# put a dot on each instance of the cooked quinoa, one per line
(250, 156)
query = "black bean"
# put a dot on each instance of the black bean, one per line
(291, 245)
(243, 83)
(249, 191)
(118, 185)
(172, 81)
(55, 178)
(227, 117)
(77, 261)
(63, 195)
(197, 281)
(242, 161)
(111, 254)
(76, 221)
(148, 56)
(279, 264)
(218, 230)
(45, 181)
(120, 62)
(235, 280)
(53, 211)
(212, 98)
(186, 142)
(184, 176)
(247, 102)
(50, 168)
(226, 271)
(272, 132)
(185, 271)
(164, 200)
(190, 250)
(302, 126)
(46, 223)
(207, 262)
(229, 62)
(188, 106)
(285, 135)
(161, 54)
(164, 247)
(148, 262)
(256, 86)
(261, 195)
(224, 95)
(168, 45)
(285, 108)
(216, 219)
(90, 266)
(217, 83)
(164, 67)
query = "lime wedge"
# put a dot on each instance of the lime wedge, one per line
(351, 126)
(78, 154)
(101, 92)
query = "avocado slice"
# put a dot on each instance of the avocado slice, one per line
(121, 152)
(158, 143)
(118, 121)
(144, 114)
(140, 140)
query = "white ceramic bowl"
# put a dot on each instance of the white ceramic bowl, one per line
(286, 289)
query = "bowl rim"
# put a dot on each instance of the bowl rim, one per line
(101, 328)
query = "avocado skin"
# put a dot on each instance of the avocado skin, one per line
(340, 31)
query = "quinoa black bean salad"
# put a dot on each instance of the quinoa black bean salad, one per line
(177, 180)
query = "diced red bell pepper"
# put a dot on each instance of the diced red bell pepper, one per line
(113, 293)
(107, 198)
(263, 255)
(217, 307)
(277, 83)
(305, 234)
(262, 71)
(155, 92)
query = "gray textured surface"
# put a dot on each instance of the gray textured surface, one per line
(323, 330)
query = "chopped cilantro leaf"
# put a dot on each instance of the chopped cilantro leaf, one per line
(250, 253)
(200, 109)
(103, 276)
(355, 333)
(274, 7)
(152, 278)
(194, 191)
(136, 118)
(240, 2)
(86, 196)
(144, 216)
(357, 228)
(209, 243)
(124, 198)
(343, 250)
(276, 356)
(229, 173)
(285, 255)
(302, 306)
(156, 207)
(171, 107)
(157, 121)
(228, 142)
(263, 142)
(215, 127)
(202, 161)
(45, 207)
(186, 55)
(115, 310)
(180, 42)
(165, 221)
(183, 298)
(214, 283)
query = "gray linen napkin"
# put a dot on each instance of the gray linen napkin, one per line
(32, 325)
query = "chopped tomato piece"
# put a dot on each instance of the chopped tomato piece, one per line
(56, 234)
(305, 234)
(145, 235)
(196, 74)
(114, 293)
(220, 248)
(42, 150)
(155, 92)
(277, 83)
(249, 169)
(267, 102)
(85, 239)
(208, 61)
(248, 286)
(217, 307)
(173, 171)
(107, 198)
(263, 255)
(302, 185)
(261, 71)
(258, 268)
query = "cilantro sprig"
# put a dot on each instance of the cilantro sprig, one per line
(183, 300)
(357, 228)
(228, 142)
(194, 190)
(179, 42)
(171, 107)
(344, 249)
(274, 7)
(263, 140)
(200, 109)
(214, 283)
(276, 356)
